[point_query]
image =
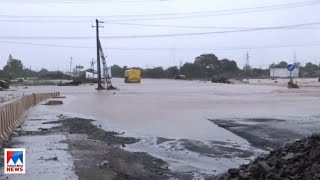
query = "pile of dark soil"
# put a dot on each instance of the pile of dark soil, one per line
(84, 126)
(296, 161)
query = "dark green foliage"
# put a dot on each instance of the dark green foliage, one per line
(13, 68)
(310, 70)
(117, 71)
(157, 72)
(53, 75)
(172, 72)
(205, 66)
(282, 64)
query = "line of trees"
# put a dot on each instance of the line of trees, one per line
(15, 69)
(204, 66)
(207, 66)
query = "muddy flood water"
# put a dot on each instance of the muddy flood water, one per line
(196, 127)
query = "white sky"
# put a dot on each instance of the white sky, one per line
(54, 58)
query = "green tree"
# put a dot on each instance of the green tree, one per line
(117, 71)
(311, 70)
(282, 64)
(172, 71)
(192, 70)
(228, 66)
(210, 60)
(309, 67)
(13, 68)
(29, 73)
(255, 72)
(156, 72)
(43, 72)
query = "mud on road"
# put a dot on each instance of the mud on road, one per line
(99, 154)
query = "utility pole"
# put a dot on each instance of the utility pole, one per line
(295, 58)
(98, 54)
(71, 66)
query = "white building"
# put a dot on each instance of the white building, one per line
(92, 74)
(283, 73)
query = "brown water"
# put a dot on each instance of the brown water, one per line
(179, 110)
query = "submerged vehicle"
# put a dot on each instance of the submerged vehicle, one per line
(132, 76)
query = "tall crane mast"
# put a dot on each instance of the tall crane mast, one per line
(106, 74)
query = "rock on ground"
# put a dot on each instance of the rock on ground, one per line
(296, 161)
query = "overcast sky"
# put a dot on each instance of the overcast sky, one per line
(43, 21)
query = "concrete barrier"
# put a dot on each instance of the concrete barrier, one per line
(12, 114)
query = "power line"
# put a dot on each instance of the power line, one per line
(162, 35)
(187, 14)
(165, 49)
(226, 12)
(44, 21)
(194, 27)
(145, 25)
(74, 1)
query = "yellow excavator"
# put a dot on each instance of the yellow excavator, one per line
(132, 76)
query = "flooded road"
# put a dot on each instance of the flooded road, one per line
(180, 109)
(175, 119)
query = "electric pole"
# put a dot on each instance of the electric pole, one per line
(71, 66)
(295, 58)
(98, 54)
(247, 61)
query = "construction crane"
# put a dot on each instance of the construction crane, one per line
(106, 76)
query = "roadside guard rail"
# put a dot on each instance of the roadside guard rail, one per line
(13, 113)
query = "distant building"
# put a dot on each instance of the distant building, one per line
(92, 74)
(283, 73)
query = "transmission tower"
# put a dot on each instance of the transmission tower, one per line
(92, 63)
(247, 61)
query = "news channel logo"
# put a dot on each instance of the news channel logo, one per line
(14, 161)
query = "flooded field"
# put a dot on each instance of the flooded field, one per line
(195, 126)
